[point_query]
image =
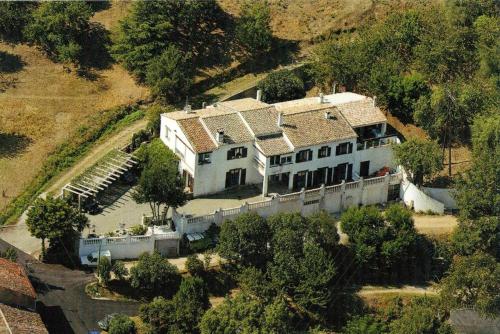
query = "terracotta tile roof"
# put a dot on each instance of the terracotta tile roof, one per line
(235, 131)
(362, 113)
(242, 104)
(312, 128)
(197, 135)
(14, 277)
(274, 145)
(262, 121)
(207, 112)
(20, 321)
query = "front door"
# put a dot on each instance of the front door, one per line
(235, 177)
(339, 173)
(299, 180)
(364, 168)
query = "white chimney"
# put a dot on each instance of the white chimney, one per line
(259, 95)
(219, 136)
(321, 98)
(374, 101)
(334, 90)
(280, 119)
(187, 108)
(328, 115)
(203, 105)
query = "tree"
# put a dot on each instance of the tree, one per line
(194, 27)
(9, 254)
(13, 18)
(119, 270)
(321, 229)
(488, 46)
(253, 31)
(473, 281)
(277, 317)
(403, 94)
(282, 85)
(154, 275)
(160, 184)
(421, 315)
(194, 265)
(180, 314)
(364, 325)
(104, 270)
(482, 234)
(63, 30)
(255, 282)
(421, 158)
(54, 219)
(245, 240)
(121, 324)
(170, 75)
(477, 192)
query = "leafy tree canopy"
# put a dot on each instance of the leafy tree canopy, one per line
(121, 324)
(281, 86)
(422, 158)
(14, 15)
(482, 234)
(253, 30)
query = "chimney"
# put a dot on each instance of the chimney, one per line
(334, 90)
(321, 98)
(219, 136)
(259, 95)
(374, 101)
(328, 115)
(203, 105)
(187, 108)
(280, 119)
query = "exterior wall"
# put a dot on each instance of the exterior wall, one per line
(211, 178)
(442, 195)
(14, 298)
(179, 144)
(127, 247)
(331, 199)
(379, 157)
(418, 200)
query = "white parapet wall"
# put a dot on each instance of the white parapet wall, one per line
(331, 199)
(443, 195)
(128, 247)
(419, 200)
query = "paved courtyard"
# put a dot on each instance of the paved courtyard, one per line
(120, 207)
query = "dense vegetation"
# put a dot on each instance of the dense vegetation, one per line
(434, 64)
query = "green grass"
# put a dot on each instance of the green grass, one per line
(68, 153)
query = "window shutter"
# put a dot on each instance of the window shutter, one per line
(297, 159)
(329, 151)
(337, 150)
(349, 172)
(243, 176)
(228, 178)
(350, 148)
(245, 152)
(229, 154)
(310, 155)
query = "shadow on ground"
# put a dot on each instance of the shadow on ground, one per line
(12, 144)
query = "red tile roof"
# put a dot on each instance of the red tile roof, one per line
(17, 321)
(14, 277)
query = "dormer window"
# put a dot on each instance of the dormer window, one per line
(237, 153)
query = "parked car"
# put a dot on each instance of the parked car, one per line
(104, 323)
(92, 259)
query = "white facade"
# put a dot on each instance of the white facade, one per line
(212, 174)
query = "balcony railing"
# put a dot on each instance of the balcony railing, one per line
(376, 142)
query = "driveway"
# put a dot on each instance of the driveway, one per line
(63, 304)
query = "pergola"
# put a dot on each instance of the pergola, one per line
(102, 174)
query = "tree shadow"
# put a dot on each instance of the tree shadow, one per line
(95, 54)
(12, 144)
(10, 63)
(99, 5)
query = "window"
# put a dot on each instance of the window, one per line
(343, 148)
(286, 160)
(235, 177)
(275, 160)
(167, 132)
(324, 152)
(304, 155)
(237, 153)
(204, 158)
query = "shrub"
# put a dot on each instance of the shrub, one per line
(280, 86)
(138, 230)
(9, 254)
(194, 265)
(121, 324)
(104, 270)
(119, 270)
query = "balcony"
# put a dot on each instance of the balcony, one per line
(376, 142)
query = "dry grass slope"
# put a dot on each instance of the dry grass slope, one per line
(46, 106)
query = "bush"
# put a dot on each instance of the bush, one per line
(194, 265)
(119, 270)
(9, 254)
(104, 270)
(280, 86)
(138, 138)
(138, 230)
(121, 324)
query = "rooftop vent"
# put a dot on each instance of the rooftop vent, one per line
(259, 95)
(203, 105)
(187, 109)
(374, 101)
(219, 136)
(334, 88)
(321, 98)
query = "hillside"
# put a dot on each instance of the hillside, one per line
(41, 106)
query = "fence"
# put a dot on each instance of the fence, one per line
(331, 199)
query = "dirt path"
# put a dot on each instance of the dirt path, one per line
(103, 147)
(435, 225)
(369, 290)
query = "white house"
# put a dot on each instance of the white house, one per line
(283, 146)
